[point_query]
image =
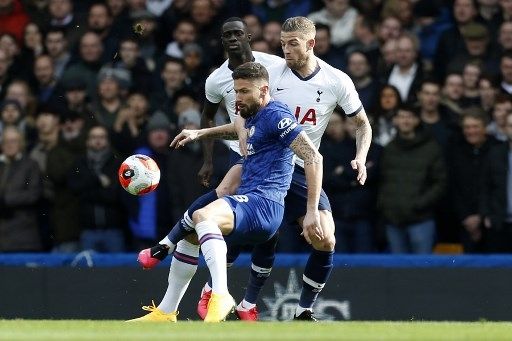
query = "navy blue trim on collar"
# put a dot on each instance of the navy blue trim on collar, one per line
(307, 77)
(356, 112)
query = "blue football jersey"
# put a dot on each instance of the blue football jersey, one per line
(268, 169)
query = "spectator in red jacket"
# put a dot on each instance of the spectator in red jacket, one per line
(13, 18)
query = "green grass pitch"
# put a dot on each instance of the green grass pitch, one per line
(14, 330)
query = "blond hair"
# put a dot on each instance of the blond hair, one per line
(300, 24)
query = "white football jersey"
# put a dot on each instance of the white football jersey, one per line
(313, 99)
(219, 86)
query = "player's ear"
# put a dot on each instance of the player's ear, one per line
(264, 90)
(249, 36)
(310, 44)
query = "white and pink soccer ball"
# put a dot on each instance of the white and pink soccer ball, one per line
(139, 174)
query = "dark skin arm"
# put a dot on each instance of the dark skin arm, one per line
(206, 171)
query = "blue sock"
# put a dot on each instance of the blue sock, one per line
(316, 273)
(262, 260)
(184, 227)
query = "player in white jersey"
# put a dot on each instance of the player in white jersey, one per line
(312, 89)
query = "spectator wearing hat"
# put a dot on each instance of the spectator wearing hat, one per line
(20, 190)
(412, 182)
(76, 100)
(149, 216)
(477, 43)
(109, 99)
(193, 58)
(146, 27)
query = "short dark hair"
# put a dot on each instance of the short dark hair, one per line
(235, 19)
(251, 71)
(476, 113)
(409, 108)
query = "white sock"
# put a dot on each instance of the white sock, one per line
(214, 251)
(207, 287)
(300, 310)
(181, 272)
(244, 305)
(167, 241)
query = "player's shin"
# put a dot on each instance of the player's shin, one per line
(214, 251)
(183, 268)
(316, 273)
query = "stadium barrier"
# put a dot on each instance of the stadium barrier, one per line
(362, 287)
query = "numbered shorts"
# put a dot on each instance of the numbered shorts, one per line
(296, 199)
(256, 219)
(235, 158)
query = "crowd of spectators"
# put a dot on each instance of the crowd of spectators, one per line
(85, 83)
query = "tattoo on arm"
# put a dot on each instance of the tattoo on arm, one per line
(304, 148)
(224, 135)
(363, 134)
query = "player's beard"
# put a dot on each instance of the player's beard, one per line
(298, 63)
(249, 110)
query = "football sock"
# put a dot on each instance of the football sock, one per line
(263, 256)
(244, 305)
(232, 255)
(183, 268)
(214, 251)
(316, 273)
(185, 226)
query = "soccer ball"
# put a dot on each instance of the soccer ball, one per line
(139, 174)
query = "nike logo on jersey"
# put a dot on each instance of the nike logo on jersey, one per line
(278, 89)
(229, 91)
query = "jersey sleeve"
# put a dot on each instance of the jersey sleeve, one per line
(284, 125)
(211, 90)
(348, 98)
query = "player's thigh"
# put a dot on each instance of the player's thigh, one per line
(219, 212)
(328, 242)
(230, 182)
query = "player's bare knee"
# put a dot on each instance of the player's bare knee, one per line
(326, 244)
(199, 215)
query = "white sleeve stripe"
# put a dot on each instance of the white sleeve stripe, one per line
(355, 112)
(261, 270)
(313, 283)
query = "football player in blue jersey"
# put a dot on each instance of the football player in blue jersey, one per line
(254, 213)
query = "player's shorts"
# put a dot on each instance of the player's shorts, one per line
(235, 158)
(296, 199)
(256, 219)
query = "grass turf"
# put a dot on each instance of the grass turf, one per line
(14, 330)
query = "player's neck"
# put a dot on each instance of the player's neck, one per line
(236, 60)
(308, 68)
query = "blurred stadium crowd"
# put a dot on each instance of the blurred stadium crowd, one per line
(83, 84)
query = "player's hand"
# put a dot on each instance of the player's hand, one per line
(184, 137)
(205, 174)
(311, 226)
(242, 135)
(360, 167)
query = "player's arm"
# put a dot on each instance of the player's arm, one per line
(242, 134)
(313, 167)
(207, 116)
(225, 132)
(363, 141)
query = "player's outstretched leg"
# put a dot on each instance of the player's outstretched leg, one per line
(149, 258)
(262, 257)
(318, 268)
